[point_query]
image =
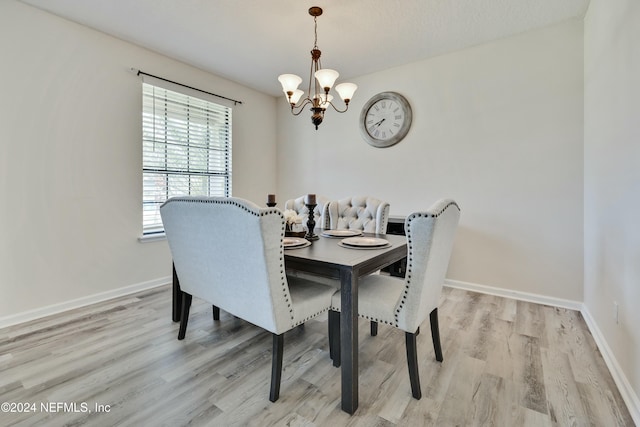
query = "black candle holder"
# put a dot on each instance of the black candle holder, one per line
(311, 223)
(271, 205)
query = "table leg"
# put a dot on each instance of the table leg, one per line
(349, 340)
(177, 298)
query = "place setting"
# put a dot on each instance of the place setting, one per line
(295, 243)
(360, 242)
(355, 239)
(340, 234)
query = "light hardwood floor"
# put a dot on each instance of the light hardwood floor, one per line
(506, 363)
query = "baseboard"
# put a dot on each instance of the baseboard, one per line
(517, 295)
(38, 313)
(628, 394)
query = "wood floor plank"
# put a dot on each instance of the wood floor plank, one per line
(601, 407)
(531, 375)
(396, 398)
(563, 397)
(462, 388)
(486, 402)
(502, 351)
(425, 413)
(506, 363)
(482, 339)
(507, 309)
(530, 321)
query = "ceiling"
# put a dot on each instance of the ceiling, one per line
(253, 41)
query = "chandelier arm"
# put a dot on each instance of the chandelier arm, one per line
(300, 107)
(346, 107)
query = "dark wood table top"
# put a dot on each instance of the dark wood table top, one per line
(326, 255)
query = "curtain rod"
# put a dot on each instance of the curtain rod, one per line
(138, 72)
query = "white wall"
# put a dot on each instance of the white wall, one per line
(70, 159)
(612, 178)
(499, 128)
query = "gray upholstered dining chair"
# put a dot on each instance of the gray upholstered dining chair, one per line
(406, 302)
(359, 213)
(229, 252)
(362, 213)
(321, 216)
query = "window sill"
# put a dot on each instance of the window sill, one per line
(154, 237)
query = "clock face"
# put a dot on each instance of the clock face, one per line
(385, 119)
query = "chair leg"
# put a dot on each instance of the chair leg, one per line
(330, 333)
(177, 297)
(216, 312)
(184, 314)
(435, 334)
(374, 328)
(334, 337)
(412, 362)
(276, 366)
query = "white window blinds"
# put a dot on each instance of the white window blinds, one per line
(186, 143)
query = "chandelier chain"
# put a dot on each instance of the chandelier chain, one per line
(315, 32)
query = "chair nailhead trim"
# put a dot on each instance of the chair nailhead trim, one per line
(410, 252)
(225, 201)
(373, 319)
(300, 322)
(253, 211)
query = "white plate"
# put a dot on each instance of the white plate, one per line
(304, 245)
(361, 247)
(292, 242)
(341, 233)
(364, 242)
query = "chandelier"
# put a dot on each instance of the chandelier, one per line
(324, 80)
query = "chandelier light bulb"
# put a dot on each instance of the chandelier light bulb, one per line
(289, 82)
(346, 91)
(297, 94)
(326, 78)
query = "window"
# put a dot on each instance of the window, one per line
(186, 144)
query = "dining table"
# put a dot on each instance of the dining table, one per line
(327, 257)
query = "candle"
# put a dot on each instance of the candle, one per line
(310, 199)
(271, 198)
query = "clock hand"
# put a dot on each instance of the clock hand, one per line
(380, 122)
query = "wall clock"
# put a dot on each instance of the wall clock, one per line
(385, 119)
